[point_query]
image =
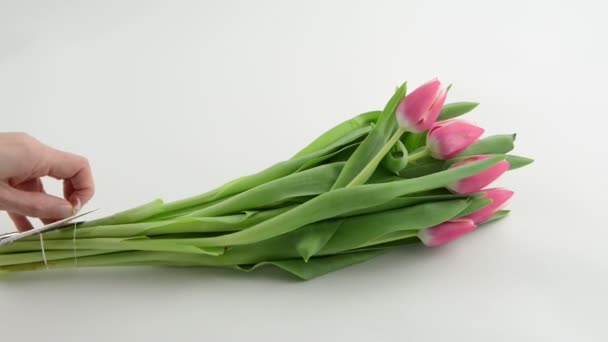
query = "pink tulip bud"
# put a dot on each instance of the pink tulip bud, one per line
(480, 180)
(447, 139)
(499, 197)
(419, 110)
(446, 232)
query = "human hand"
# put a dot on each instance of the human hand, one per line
(23, 162)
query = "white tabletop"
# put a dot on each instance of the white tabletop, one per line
(169, 99)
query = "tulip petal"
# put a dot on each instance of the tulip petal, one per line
(446, 232)
(413, 112)
(499, 197)
(479, 181)
(448, 138)
(436, 107)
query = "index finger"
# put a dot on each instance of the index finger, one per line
(76, 174)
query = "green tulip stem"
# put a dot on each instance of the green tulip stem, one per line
(418, 155)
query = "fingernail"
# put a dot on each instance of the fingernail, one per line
(77, 206)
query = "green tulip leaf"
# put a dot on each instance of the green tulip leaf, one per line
(495, 144)
(373, 143)
(332, 136)
(452, 110)
(356, 231)
(474, 206)
(319, 265)
(516, 162)
(422, 167)
(499, 215)
(313, 181)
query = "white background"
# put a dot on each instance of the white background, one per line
(169, 99)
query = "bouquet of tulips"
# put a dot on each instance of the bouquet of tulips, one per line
(407, 174)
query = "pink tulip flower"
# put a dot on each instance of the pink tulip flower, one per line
(499, 197)
(446, 232)
(447, 139)
(479, 181)
(419, 110)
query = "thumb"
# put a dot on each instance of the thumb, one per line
(33, 204)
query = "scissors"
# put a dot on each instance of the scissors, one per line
(8, 238)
